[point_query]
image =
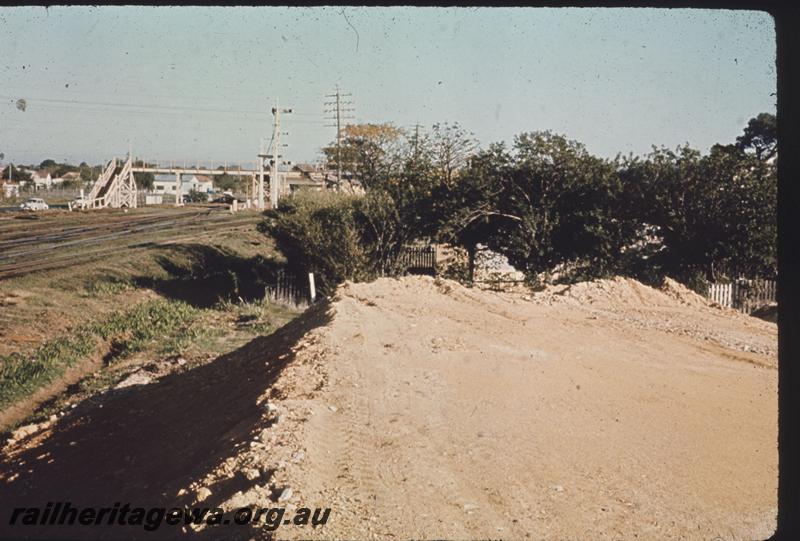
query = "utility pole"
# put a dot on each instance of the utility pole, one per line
(339, 114)
(274, 185)
(416, 142)
(262, 157)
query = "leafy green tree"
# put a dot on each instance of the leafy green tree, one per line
(469, 209)
(370, 153)
(713, 215)
(546, 203)
(6, 173)
(47, 163)
(144, 181)
(230, 182)
(760, 136)
(666, 196)
(568, 204)
(71, 184)
(87, 173)
(746, 212)
(62, 169)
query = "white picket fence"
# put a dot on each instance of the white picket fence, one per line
(743, 295)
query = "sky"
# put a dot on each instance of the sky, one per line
(198, 83)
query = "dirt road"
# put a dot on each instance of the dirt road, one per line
(607, 411)
(415, 408)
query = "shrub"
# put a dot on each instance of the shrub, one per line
(195, 196)
(339, 236)
(320, 233)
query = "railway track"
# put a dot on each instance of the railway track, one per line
(52, 246)
(24, 230)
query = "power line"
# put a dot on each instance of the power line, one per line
(153, 106)
(237, 118)
(227, 98)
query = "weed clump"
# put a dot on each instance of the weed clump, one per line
(21, 375)
(127, 332)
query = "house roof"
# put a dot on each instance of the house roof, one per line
(305, 167)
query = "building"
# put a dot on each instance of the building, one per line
(71, 176)
(168, 184)
(202, 183)
(306, 175)
(41, 179)
(9, 189)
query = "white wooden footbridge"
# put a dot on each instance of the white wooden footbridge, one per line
(116, 186)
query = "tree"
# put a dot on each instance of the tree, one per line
(667, 194)
(71, 184)
(451, 146)
(5, 174)
(545, 203)
(62, 169)
(47, 163)
(760, 136)
(713, 215)
(87, 173)
(144, 181)
(229, 182)
(746, 212)
(568, 203)
(370, 153)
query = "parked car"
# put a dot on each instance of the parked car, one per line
(227, 199)
(80, 203)
(34, 203)
(196, 197)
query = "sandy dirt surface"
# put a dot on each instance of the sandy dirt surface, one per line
(417, 408)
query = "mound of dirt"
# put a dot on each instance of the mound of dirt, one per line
(684, 295)
(420, 408)
(617, 291)
(483, 413)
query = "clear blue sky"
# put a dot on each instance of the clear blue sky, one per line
(167, 78)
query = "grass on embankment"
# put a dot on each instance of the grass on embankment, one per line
(121, 334)
(65, 332)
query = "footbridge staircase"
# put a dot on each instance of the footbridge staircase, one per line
(115, 188)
